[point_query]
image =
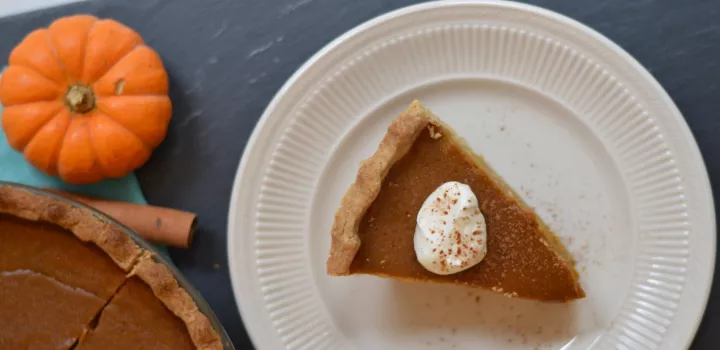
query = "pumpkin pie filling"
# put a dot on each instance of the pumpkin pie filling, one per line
(524, 259)
(60, 290)
(38, 312)
(51, 284)
(136, 319)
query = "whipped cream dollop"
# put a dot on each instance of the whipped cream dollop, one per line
(450, 235)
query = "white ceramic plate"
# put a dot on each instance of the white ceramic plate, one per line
(569, 119)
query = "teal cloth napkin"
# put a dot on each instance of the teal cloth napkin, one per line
(14, 168)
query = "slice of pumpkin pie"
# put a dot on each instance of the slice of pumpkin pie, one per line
(425, 208)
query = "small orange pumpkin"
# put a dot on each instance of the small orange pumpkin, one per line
(85, 99)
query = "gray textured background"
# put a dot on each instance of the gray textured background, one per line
(226, 60)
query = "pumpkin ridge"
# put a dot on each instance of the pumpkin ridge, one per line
(26, 66)
(56, 156)
(57, 57)
(147, 129)
(126, 129)
(45, 124)
(95, 152)
(56, 153)
(60, 110)
(31, 102)
(62, 144)
(34, 69)
(55, 84)
(50, 119)
(116, 62)
(84, 56)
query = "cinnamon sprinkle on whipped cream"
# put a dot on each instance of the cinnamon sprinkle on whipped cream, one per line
(450, 235)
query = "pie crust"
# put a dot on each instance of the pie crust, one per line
(397, 142)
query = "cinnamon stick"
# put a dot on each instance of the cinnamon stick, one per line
(156, 224)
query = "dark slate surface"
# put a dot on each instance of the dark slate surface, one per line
(226, 60)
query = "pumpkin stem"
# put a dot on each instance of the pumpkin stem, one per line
(80, 98)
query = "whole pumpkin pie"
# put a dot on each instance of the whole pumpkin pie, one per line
(376, 227)
(69, 280)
